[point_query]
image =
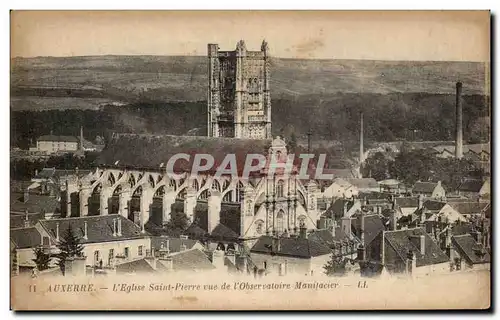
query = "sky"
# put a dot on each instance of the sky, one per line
(376, 35)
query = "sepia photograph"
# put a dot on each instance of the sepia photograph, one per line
(250, 160)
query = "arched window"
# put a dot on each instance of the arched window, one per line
(111, 179)
(151, 181)
(196, 185)
(280, 189)
(216, 185)
(228, 197)
(160, 192)
(182, 194)
(280, 222)
(203, 195)
(172, 184)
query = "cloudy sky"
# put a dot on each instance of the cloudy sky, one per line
(458, 36)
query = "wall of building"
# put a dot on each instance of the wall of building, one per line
(433, 269)
(118, 249)
(25, 257)
(54, 146)
(293, 265)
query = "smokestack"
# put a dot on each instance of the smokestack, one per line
(458, 124)
(361, 139)
(81, 138)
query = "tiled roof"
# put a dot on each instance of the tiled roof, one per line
(326, 237)
(424, 187)
(150, 151)
(26, 237)
(35, 204)
(174, 244)
(191, 260)
(58, 138)
(363, 183)
(99, 228)
(18, 220)
(373, 227)
(336, 209)
(400, 241)
(468, 248)
(469, 207)
(463, 228)
(136, 266)
(433, 205)
(407, 202)
(471, 185)
(293, 247)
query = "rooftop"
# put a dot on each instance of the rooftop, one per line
(25, 238)
(99, 228)
(473, 252)
(293, 247)
(55, 138)
(400, 241)
(424, 187)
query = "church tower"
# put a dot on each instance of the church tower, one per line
(239, 99)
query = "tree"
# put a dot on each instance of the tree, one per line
(335, 266)
(178, 221)
(69, 246)
(376, 167)
(42, 259)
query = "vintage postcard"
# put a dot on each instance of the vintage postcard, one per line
(250, 160)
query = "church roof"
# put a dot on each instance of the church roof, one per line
(151, 151)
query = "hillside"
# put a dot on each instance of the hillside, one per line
(158, 94)
(167, 78)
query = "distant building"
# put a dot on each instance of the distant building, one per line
(429, 189)
(340, 188)
(436, 211)
(365, 184)
(475, 188)
(54, 144)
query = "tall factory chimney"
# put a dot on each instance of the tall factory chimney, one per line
(81, 138)
(458, 124)
(361, 152)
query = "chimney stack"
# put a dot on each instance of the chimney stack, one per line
(57, 231)
(85, 235)
(114, 227)
(119, 231)
(458, 124)
(26, 220)
(422, 244)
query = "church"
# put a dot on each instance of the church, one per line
(131, 177)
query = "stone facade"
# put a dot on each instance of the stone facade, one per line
(239, 99)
